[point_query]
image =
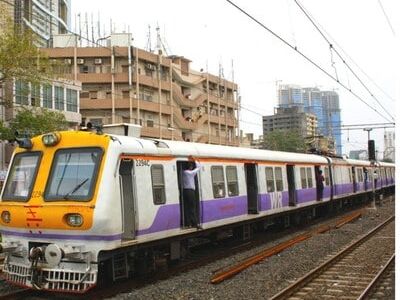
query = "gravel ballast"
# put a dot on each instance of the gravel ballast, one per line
(268, 277)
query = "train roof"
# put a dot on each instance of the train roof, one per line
(184, 149)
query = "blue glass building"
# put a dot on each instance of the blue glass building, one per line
(323, 104)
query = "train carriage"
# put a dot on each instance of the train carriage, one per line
(78, 205)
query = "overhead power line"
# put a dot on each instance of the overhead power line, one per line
(331, 47)
(305, 57)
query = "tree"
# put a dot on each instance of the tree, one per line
(285, 140)
(20, 59)
(33, 121)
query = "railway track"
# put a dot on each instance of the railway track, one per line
(350, 274)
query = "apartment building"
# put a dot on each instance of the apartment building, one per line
(125, 84)
(291, 118)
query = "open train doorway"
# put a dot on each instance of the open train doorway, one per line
(252, 187)
(128, 194)
(185, 207)
(291, 185)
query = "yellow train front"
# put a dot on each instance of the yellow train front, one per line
(49, 235)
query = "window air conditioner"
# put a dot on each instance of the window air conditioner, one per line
(80, 61)
(68, 61)
(97, 61)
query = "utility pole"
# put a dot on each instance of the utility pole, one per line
(372, 158)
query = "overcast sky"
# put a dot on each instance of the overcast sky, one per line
(213, 32)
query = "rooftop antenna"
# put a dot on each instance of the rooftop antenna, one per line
(87, 26)
(148, 45)
(91, 17)
(159, 43)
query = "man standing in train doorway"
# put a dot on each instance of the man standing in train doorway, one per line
(320, 185)
(189, 194)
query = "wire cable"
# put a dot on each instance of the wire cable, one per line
(331, 47)
(305, 57)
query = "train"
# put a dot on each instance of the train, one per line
(79, 208)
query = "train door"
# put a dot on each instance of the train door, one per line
(291, 185)
(128, 195)
(252, 187)
(354, 179)
(316, 174)
(180, 167)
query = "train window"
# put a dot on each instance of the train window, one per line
(303, 178)
(22, 176)
(218, 181)
(327, 178)
(309, 178)
(157, 179)
(269, 175)
(278, 179)
(73, 174)
(231, 177)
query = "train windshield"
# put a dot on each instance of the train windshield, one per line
(73, 174)
(22, 176)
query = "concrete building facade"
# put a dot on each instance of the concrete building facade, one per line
(291, 118)
(323, 104)
(389, 146)
(122, 83)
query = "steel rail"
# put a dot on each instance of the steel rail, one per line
(375, 281)
(291, 289)
(232, 271)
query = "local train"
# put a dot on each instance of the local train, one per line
(81, 207)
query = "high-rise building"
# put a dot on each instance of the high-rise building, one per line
(389, 144)
(122, 83)
(44, 17)
(290, 118)
(323, 104)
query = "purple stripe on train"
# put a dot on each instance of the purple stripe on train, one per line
(168, 216)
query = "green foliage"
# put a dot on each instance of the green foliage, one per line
(34, 121)
(20, 59)
(285, 140)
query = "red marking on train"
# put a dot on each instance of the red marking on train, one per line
(30, 231)
(37, 224)
(27, 224)
(40, 232)
(34, 219)
(33, 213)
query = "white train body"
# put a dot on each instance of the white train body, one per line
(132, 199)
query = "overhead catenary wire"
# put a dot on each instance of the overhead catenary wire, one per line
(305, 57)
(331, 47)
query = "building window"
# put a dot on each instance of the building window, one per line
(21, 92)
(157, 179)
(84, 94)
(47, 96)
(231, 178)
(278, 179)
(150, 123)
(218, 181)
(269, 175)
(59, 97)
(35, 95)
(72, 100)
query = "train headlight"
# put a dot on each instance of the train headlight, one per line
(51, 139)
(6, 216)
(74, 220)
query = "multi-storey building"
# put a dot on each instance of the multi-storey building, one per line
(122, 83)
(44, 17)
(389, 146)
(290, 118)
(323, 104)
